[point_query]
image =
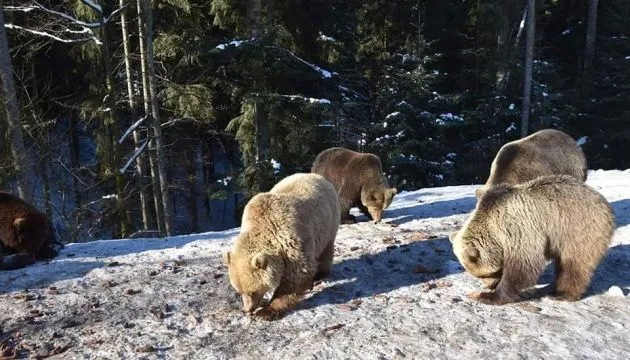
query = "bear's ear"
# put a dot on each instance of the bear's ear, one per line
(226, 257)
(259, 261)
(480, 191)
(471, 253)
(452, 235)
(19, 224)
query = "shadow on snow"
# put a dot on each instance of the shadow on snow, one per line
(373, 274)
(72, 263)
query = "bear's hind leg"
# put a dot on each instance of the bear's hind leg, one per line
(571, 279)
(346, 218)
(325, 261)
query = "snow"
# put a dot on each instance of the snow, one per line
(627, 57)
(225, 181)
(512, 127)
(94, 6)
(396, 291)
(511, 106)
(276, 166)
(448, 118)
(307, 99)
(131, 129)
(323, 37)
(566, 32)
(134, 156)
(235, 43)
(581, 141)
(391, 115)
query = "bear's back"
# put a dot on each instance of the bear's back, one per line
(302, 207)
(546, 152)
(333, 164)
(558, 210)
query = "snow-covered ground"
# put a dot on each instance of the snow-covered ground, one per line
(397, 291)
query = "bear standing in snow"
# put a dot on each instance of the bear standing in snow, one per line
(25, 233)
(514, 229)
(358, 178)
(287, 241)
(546, 152)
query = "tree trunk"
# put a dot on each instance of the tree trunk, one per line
(591, 34)
(194, 168)
(155, 179)
(140, 161)
(504, 49)
(160, 155)
(529, 57)
(253, 14)
(270, 9)
(14, 126)
(262, 133)
(112, 126)
(75, 160)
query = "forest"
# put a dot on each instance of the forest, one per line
(130, 118)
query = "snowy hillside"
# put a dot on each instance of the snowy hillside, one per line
(397, 291)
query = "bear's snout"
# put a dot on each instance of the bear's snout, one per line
(376, 214)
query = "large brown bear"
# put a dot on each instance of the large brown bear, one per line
(25, 233)
(358, 178)
(546, 152)
(515, 229)
(287, 241)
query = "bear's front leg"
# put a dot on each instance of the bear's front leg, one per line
(16, 261)
(491, 297)
(491, 283)
(278, 307)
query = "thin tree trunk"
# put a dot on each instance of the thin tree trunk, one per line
(155, 116)
(18, 152)
(503, 47)
(75, 160)
(194, 168)
(113, 130)
(591, 34)
(155, 179)
(140, 161)
(529, 57)
(262, 133)
(270, 9)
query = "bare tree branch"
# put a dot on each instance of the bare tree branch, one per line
(49, 35)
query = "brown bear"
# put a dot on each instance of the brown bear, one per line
(25, 233)
(546, 152)
(287, 241)
(515, 229)
(359, 180)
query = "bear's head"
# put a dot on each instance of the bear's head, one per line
(254, 275)
(478, 252)
(376, 200)
(32, 232)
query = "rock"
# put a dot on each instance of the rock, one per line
(615, 291)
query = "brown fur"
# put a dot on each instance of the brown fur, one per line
(23, 230)
(358, 178)
(546, 152)
(286, 242)
(515, 229)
